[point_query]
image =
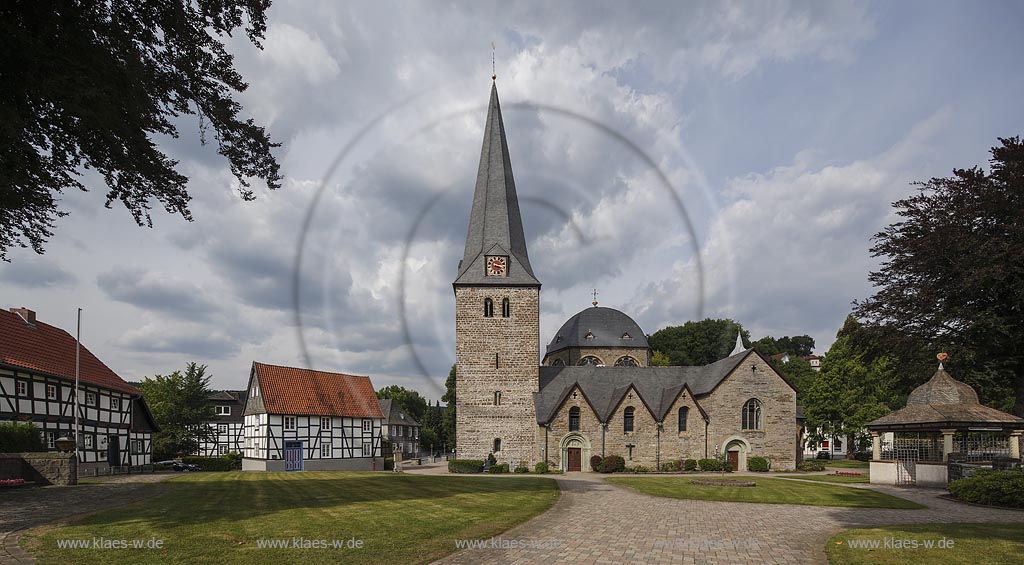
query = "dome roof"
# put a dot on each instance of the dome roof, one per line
(598, 327)
(943, 389)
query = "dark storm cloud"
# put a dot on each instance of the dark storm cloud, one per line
(33, 272)
(158, 292)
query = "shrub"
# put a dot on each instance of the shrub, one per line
(18, 437)
(690, 465)
(595, 462)
(823, 455)
(669, 466)
(613, 464)
(862, 456)
(638, 469)
(491, 460)
(498, 469)
(209, 463)
(541, 468)
(727, 467)
(465, 466)
(994, 488)
(758, 463)
(810, 466)
(522, 469)
(710, 465)
(235, 458)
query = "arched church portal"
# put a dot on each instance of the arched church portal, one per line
(736, 452)
(575, 453)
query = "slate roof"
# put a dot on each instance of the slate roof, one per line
(606, 326)
(604, 387)
(233, 398)
(48, 349)
(290, 390)
(945, 402)
(393, 413)
(495, 224)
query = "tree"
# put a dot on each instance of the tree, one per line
(798, 345)
(659, 359)
(448, 419)
(94, 85)
(181, 407)
(432, 432)
(799, 374)
(697, 343)
(409, 400)
(854, 387)
(952, 275)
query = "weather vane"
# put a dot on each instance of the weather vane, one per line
(494, 74)
(595, 298)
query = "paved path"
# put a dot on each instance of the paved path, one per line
(25, 508)
(597, 522)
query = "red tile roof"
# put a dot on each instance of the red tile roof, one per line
(48, 349)
(289, 390)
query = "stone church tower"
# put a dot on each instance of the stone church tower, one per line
(497, 315)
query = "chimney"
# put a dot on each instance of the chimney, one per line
(28, 315)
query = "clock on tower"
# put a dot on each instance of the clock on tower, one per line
(496, 265)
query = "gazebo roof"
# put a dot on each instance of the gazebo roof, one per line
(944, 402)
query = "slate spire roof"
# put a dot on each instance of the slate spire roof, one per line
(495, 225)
(739, 344)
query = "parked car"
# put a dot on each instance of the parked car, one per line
(178, 466)
(824, 455)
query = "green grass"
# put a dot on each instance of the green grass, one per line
(973, 543)
(768, 491)
(836, 478)
(218, 518)
(848, 464)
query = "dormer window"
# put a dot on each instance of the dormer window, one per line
(626, 336)
(590, 335)
(558, 339)
(222, 410)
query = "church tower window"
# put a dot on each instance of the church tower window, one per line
(574, 419)
(506, 308)
(488, 308)
(497, 444)
(497, 398)
(627, 419)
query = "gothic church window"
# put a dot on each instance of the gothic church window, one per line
(683, 413)
(574, 419)
(488, 308)
(626, 361)
(752, 415)
(589, 360)
(627, 419)
(558, 363)
(506, 308)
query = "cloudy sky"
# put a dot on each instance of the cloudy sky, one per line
(719, 159)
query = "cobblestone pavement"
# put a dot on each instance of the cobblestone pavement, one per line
(597, 522)
(21, 509)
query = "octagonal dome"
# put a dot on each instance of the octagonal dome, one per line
(598, 327)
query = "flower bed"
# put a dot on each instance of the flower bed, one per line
(847, 474)
(722, 483)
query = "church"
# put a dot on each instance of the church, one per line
(594, 392)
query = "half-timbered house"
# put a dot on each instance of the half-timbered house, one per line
(301, 419)
(228, 423)
(37, 384)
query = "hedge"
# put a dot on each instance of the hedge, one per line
(690, 465)
(811, 465)
(541, 468)
(993, 488)
(710, 465)
(18, 437)
(498, 469)
(210, 463)
(465, 466)
(758, 463)
(522, 469)
(595, 462)
(613, 464)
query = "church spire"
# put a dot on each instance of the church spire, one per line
(739, 344)
(495, 226)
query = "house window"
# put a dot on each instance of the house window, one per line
(325, 451)
(90, 399)
(289, 423)
(497, 398)
(497, 445)
(683, 413)
(574, 419)
(394, 430)
(115, 404)
(367, 450)
(51, 392)
(88, 441)
(222, 448)
(22, 388)
(752, 415)
(51, 440)
(627, 419)
(488, 308)
(401, 431)
(222, 410)
(325, 423)
(589, 360)
(222, 428)
(137, 446)
(366, 425)
(506, 308)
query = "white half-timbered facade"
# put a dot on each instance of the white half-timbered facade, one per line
(228, 423)
(37, 384)
(306, 420)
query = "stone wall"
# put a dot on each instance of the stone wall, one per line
(497, 355)
(590, 431)
(45, 468)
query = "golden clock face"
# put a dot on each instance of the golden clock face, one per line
(496, 265)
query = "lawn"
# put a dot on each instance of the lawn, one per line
(972, 543)
(768, 491)
(835, 478)
(848, 464)
(221, 517)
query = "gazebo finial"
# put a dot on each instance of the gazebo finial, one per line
(942, 357)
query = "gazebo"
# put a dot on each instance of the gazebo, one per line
(942, 425)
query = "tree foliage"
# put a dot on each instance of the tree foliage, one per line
(798, 345)
(96, 85)
(448, 418)
(181, 407)
(952, 275)
(698, 343)
(409, 400)
(799, 374)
